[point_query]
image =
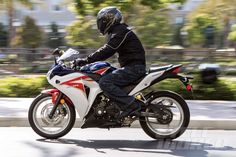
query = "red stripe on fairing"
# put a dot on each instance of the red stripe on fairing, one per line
(50, 91)
(101, 71)
(75, 79)
(75, 84)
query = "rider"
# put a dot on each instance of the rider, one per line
(121, 40)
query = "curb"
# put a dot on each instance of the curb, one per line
(218, 124)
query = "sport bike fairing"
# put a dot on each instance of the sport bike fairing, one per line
(146, 82)
(73, 83)
(73, 86)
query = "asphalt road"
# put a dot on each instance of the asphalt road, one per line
(200, 109)
(125, 142)
(216, 115)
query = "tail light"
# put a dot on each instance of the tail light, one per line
(189, 87)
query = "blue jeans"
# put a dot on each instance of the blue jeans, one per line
(111, 83)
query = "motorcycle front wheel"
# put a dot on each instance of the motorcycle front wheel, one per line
(51, 128)
(172, 118)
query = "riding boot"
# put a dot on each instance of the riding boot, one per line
(132, 110)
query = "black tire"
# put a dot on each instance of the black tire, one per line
(43, 134)
(184, 125)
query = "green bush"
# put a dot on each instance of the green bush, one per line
(28, 70)
(223, 89)
(230, 72)
(12, 58)
(22, 87)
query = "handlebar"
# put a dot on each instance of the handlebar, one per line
(62, 63)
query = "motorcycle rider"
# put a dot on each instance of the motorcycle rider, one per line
(121, 40)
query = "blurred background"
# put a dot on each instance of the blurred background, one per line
(200, 34)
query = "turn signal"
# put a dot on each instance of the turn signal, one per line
(62, 101)
(139, 97)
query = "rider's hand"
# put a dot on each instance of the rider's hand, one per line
(79, 62)
(61, 62)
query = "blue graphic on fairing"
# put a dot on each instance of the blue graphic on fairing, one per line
(91, 68)
(60, 71)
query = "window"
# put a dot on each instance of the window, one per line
(56, 7)
(179, 20)
(180, 7)
(34, 7)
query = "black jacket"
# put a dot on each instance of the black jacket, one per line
(122, 40)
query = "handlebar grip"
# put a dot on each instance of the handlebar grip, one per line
(61, 62)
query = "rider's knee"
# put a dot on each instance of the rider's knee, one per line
(103, 83)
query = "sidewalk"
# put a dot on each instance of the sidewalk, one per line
(204, 114)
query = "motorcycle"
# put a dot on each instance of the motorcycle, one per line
(52, 114)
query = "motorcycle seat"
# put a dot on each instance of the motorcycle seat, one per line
(159, 68)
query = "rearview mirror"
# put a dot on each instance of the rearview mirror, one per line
(57, 52)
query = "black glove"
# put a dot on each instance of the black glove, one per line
(80, 62)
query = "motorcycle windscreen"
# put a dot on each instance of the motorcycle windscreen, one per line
(70, 54)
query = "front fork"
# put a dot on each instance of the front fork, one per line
(57, 103)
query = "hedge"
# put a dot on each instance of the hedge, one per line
(223, 89)
(21, 87)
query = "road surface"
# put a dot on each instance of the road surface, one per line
(125, 142)
(204, 114)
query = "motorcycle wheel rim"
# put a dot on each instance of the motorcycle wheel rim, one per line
(152, 122)
(44, 124)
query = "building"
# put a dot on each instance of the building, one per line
(178, 12)
(45, 12)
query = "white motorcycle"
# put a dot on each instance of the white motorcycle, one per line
(164, 114)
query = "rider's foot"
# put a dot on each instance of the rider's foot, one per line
(132, 110)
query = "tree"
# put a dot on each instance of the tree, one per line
(137, 13)
(3, 36)
(197, 28)
(83, 34)
(9, 6)
(153, 30)
(221, 11)
(30, 35)
(176, 37)
(55, 38)
(232, 34)
(91, 7)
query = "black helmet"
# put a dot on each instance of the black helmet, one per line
(108, 17)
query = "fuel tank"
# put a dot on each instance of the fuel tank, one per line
(100, 68)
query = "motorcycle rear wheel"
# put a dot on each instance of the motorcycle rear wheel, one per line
(183, 122)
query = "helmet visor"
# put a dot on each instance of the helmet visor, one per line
(100, 26)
